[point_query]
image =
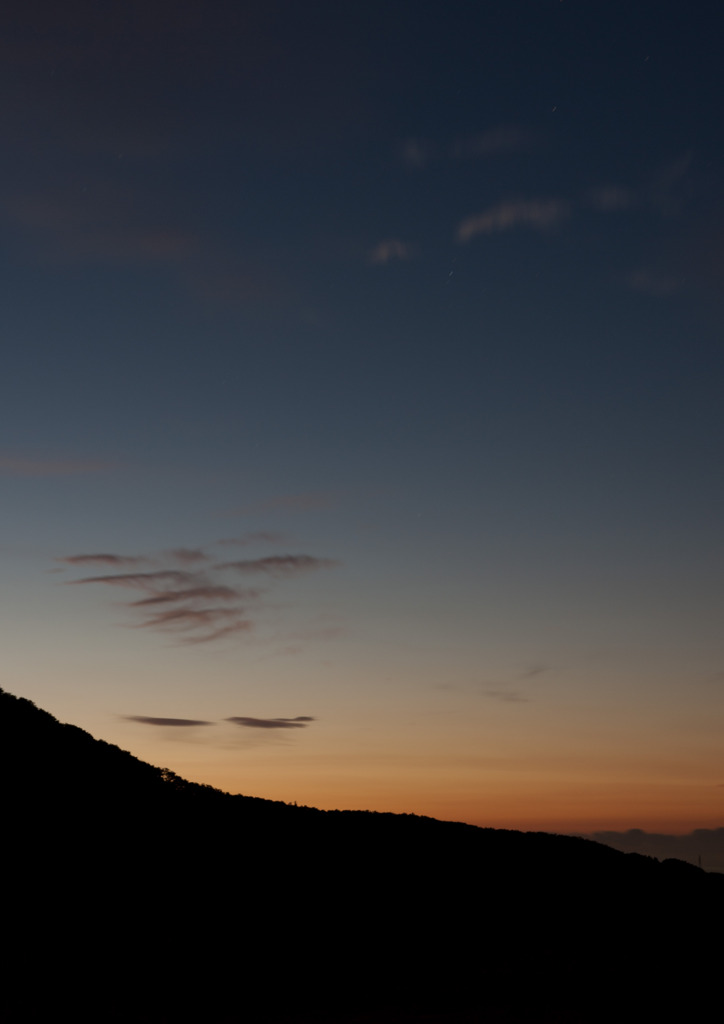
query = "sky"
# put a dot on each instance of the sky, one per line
(361, 399)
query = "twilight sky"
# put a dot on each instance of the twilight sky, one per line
(362, 398)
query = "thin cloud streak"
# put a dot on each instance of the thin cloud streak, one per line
(192, 618)
(280, 565)
(241, 626)
(175, 722)
(300, 722)
(104, 559)
(215, 593)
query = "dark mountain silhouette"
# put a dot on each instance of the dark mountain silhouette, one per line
(133, 895)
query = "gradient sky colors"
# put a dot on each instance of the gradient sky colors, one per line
(362, 399)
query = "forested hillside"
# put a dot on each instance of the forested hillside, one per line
(134, 895)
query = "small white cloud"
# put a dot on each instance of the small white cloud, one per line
(653, 282)
(390, 249)
(611, 197)
(416, 152)
(536, 213)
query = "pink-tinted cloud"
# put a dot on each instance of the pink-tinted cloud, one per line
(535, 213)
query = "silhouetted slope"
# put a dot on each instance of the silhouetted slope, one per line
(133, 894)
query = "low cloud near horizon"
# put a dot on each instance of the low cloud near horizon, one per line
(703, 843)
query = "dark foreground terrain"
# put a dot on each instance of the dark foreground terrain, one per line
(132, 895)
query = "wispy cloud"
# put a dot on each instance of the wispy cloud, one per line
(535, 213)
(280, 565)
(611, 198)
(178, 602)
(390, 249)
(416, 152)
(175, 722)
(210, 592)
(103, 559)
(654, 282)
(498, 141)
(19, 466)
(535, 670)
(300, 722)
(196, 606)
(188, 555)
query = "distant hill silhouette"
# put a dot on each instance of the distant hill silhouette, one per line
(133, 895)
